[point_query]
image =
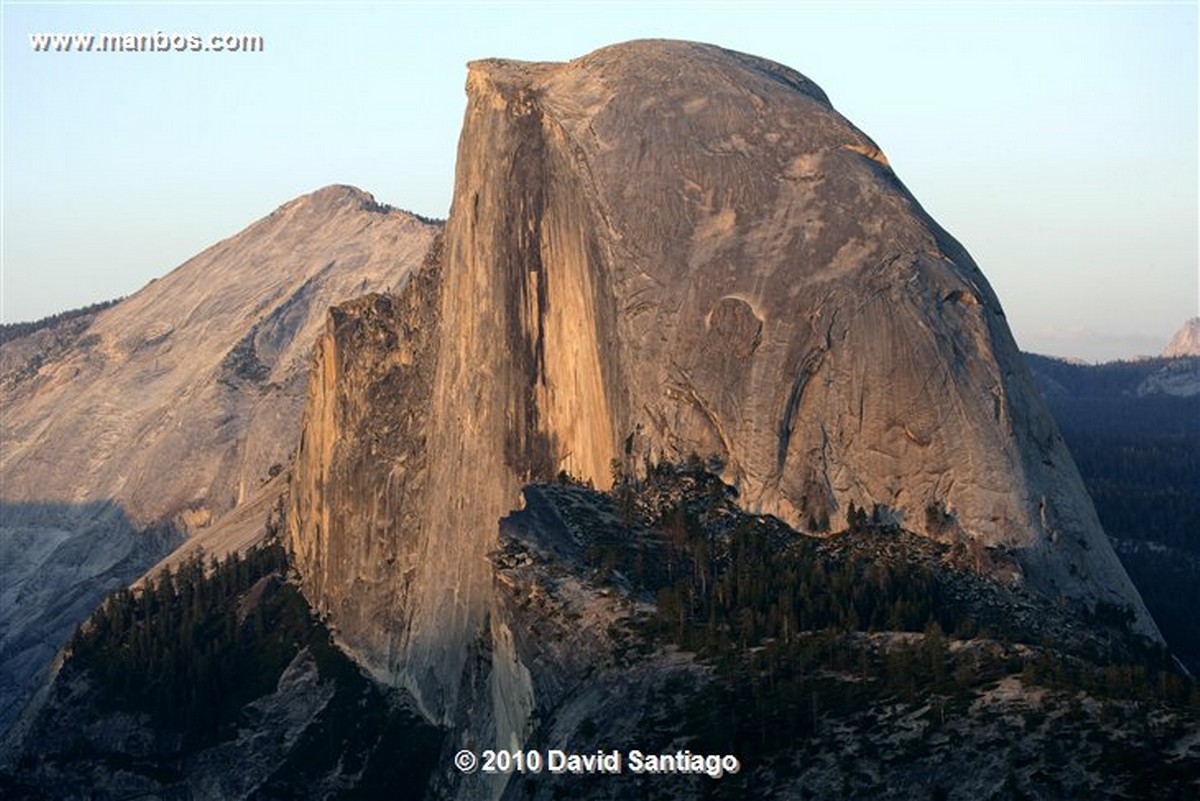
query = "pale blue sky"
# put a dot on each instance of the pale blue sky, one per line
(1057, 141)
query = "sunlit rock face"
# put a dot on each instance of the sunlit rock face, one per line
(359, 498)
(167, 415)
(1186, 341)
(657, 249)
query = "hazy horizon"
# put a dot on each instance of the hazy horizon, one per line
(1057, 142)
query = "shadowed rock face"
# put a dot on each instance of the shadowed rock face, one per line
(664, 248)
(162, 414)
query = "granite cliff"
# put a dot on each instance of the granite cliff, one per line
(658, 249)
(171, 414)
(664, 260)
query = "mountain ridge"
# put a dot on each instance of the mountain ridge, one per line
(130, 429)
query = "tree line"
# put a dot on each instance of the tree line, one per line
(11, 331)
(186, 649)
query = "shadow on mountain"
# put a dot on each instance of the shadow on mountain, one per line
(1138, 452)
(216, 681)
(57, 561)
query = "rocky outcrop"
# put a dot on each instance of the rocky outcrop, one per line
(657, 249)
(1186, 341)
(1179, 377)
(570, 650)
(361, 486)
(128, 430)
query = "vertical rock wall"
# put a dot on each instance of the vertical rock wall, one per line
(657, 249)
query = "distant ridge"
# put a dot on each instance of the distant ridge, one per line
(1186, 341)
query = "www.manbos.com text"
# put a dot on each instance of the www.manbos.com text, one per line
(157, 42)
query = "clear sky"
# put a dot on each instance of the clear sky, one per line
(1057, 141)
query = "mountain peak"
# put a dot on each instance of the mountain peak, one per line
(333, 197)
(1186, 341)
(336, 198)
(667, 68)
(173, 408)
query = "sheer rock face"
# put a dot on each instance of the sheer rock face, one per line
(664, 248)
(360, 495)
(163, 414)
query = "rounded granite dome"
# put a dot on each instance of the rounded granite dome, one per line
(665, 248)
